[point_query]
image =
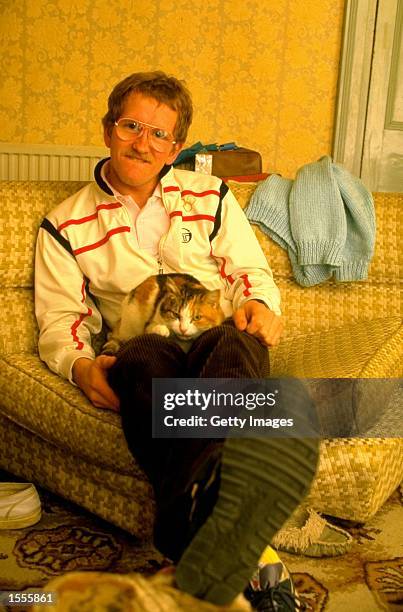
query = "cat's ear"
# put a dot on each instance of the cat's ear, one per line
(213, 298)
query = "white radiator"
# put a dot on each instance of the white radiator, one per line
(23, 162)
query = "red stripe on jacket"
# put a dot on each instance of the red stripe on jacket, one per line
(178, 213)
(247, 284)
(81, 318)
(89, 217)
(95, 245)
(197, 194)
(230, 278)
(171, 188)
(223, 273)
(200, 194)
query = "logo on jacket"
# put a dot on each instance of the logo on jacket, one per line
(186, 235)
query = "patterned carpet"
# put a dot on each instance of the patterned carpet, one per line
(369, 577)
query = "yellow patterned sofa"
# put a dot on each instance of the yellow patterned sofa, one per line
(53, 436)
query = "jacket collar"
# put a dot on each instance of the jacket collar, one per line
(98, 176)
(167, 177)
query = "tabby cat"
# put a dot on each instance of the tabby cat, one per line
(172, 305)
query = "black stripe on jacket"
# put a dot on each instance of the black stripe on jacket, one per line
(217, 223)
(48, 227)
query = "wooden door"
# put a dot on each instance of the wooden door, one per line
(368, 137)
(382, 161)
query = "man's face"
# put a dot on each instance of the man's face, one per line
(135, 166)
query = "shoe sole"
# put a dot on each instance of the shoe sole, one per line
(23, 521)
(262, 482)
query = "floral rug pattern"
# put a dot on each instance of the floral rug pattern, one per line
(367, 578)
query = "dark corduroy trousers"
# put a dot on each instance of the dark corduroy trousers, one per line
(221, 352)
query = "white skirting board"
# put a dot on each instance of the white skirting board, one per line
(25, 162)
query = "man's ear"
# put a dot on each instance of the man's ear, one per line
(177, 148)
(107, 135)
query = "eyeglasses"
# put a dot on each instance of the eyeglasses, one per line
(130, 130)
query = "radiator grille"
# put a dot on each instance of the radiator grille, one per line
(48, 163)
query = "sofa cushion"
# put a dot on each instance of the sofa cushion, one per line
(18, 313)
(23, 207)
(331, 305)
(54, 409)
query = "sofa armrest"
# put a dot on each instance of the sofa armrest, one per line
(365, 350)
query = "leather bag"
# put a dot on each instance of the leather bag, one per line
(236, 162)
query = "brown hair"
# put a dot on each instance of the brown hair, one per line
(158, 85)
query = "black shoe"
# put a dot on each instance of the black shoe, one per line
(271, 588)
(262, 482)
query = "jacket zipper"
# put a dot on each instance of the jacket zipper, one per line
(162, 241)
(160, 258)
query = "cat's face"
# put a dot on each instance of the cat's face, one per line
(188, 309)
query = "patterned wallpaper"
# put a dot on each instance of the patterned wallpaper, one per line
(262, 73)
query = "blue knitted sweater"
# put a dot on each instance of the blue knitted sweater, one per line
(325, 219)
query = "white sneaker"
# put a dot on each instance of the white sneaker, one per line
(20, 505)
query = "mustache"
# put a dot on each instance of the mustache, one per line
(139, 157)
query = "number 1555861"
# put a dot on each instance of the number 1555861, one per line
(16, 598)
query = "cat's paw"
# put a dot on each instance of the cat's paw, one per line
(161, 330)
(111, 347)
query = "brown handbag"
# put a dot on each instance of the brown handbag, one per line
(236, 162)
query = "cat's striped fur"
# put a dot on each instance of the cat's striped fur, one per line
(172, 305)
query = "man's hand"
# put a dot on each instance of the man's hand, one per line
(91, 376)
(258, 320)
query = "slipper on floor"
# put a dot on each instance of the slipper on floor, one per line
(307, 533)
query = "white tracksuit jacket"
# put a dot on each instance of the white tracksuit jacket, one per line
(87, 259)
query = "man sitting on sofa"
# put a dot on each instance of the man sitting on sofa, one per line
(106, 239)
